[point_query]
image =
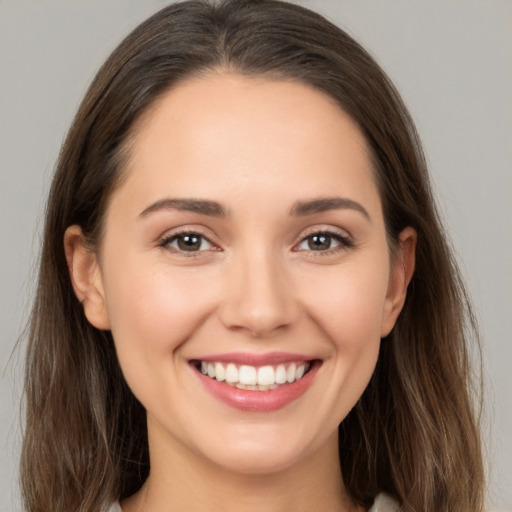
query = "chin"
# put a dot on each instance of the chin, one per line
(257, 462)
(265, 451)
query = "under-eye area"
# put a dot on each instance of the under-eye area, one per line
(255, 378)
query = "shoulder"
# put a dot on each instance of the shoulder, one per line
(384, 503)
(115, 507)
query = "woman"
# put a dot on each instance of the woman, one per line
(246, 300)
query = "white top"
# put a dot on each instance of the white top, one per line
(383, 503)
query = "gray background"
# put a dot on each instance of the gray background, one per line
(452, 61)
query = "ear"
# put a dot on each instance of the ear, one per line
(86, 277)
(401, 273)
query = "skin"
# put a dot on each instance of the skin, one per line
(257, 285)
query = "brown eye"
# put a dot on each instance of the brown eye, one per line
(319, 242)
(188, 242)
(324, 241)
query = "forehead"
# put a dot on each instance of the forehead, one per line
(226, 129)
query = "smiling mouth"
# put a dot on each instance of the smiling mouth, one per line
(254, 378)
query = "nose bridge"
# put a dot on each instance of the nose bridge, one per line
(259, 296)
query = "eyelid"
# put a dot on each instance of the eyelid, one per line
(325, 228)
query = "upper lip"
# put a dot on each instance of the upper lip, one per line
(252, 359)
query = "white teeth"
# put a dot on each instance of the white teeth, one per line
(231, 373)
(247, 375)
(290, 373)
(220, 372)
(280, 376)
(252, 388)
(266, 376)
(253, 378)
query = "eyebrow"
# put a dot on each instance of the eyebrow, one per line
(215, 209)
(323, 204)
(201, 206)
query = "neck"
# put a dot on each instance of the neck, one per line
(182, 480)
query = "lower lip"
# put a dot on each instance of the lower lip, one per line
(259, 401)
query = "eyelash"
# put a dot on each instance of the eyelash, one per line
(344, 241)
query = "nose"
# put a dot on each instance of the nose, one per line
(259, 297)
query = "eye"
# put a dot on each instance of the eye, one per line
(324, 241)
(187, 242)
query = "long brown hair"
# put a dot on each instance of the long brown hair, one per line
(413, 433)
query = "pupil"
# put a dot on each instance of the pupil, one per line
(319, 242)
(189, 242)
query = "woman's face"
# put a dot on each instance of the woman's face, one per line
(247, 242)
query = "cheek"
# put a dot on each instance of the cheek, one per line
(347, 303)
(154, 310)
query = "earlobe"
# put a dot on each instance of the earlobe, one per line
(400, 277)
(86, 277)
